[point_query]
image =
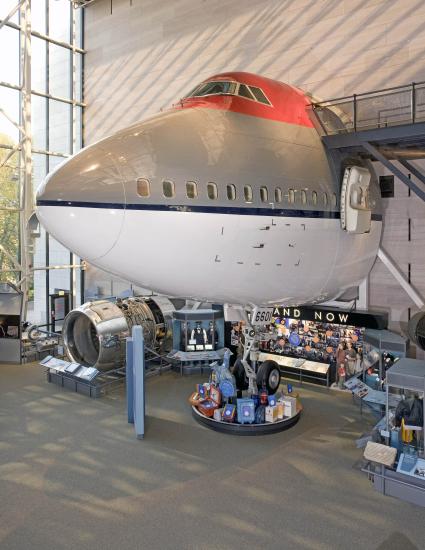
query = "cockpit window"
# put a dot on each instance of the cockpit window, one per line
(224, 87)
(259, 95)
(214, 88)
(244, 92)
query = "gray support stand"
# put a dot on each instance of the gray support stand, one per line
(129, 380)
(139, 381)
(135, 376)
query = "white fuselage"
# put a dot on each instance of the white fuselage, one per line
(211, 250)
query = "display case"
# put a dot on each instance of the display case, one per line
(198, 338)
(198, 330)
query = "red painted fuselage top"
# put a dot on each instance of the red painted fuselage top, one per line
(252, 95)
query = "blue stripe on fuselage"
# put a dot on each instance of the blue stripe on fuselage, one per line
(240, 211)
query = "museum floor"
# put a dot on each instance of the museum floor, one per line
(73, 476)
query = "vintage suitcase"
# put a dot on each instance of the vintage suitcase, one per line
(218, 413)
(207, 407)
(272, 400)
(202, 390)
(271, 414)
(229, 413)
(290, 406)
(280, 411)
(260, 414)
(246, 411)
(215, 394)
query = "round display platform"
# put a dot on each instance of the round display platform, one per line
(245, 429)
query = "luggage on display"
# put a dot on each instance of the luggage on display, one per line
(229, 413)
(207, 407)
(280, 410)
(260, 414)
(272, 400)
(218, 413)
(271, 414)
(290, 405)
(202, 390)
(215, 394)
(246, 411)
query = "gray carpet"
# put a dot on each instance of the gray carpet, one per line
(73, 476)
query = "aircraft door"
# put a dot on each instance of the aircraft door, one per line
(356, 213)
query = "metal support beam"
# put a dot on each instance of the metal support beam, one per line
(10, 119)
(45, 37)
(12, 151)
(400, 278)
(388, 164)
(412, 169)
(27, 195)
(43, 94)
(11, 13)
(38, 151)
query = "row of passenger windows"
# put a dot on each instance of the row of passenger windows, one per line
(277, 196)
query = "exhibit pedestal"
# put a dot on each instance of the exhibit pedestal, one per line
(246, 429)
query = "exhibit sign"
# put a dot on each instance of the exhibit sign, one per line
(356, 318)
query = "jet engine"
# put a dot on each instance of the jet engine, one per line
(416, 329)
(94, 334)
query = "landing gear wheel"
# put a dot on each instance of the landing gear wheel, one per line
(268, 375)
(238, 372)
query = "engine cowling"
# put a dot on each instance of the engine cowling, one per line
(94, 334)
(416, 329)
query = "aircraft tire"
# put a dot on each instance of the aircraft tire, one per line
(268, 375)
(238, 372)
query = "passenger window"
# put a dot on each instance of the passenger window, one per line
(278, 194)
(325, 199)
(264, 194)
(231, 192)
(314, 197)
(143, 187)
(244, 91)
(247, 190)
(191, 190)
(291, 196)
(212, 191)
(303, 197)
(168, 189)
(334, 200)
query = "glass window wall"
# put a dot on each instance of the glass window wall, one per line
(55, 128)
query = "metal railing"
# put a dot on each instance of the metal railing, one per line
(377, 109)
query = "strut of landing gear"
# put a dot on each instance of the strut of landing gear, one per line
(245, 370)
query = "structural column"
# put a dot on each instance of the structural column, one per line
(27, 195)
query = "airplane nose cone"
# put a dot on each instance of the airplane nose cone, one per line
(82, 202)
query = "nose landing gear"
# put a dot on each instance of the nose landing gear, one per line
(247, 374)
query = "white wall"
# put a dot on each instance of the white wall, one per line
(145, 56)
